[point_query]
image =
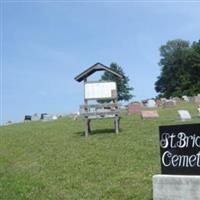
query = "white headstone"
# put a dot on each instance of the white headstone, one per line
(54, 117)
(184, 115)
(186, 98)
(163, 99)
(35, 117)
(198, 109)
(151, 103)
(47, 117)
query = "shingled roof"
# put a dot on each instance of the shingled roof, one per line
(94, 68)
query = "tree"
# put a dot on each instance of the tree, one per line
(193, 60)
(180, 69)
(123, 88)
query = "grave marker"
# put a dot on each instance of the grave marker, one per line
(197, 100)
(27, 118)
(134, 108)
(169, 103)
(149, 114)
(35, 117)
(159, 102)
(186, 98)
(198, 110)
(184, 115)
(151, 103)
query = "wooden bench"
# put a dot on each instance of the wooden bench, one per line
(100, 111)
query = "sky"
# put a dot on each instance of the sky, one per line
(45, 44)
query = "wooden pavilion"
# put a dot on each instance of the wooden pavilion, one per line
(99, 90)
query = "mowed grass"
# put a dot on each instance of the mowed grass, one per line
(53, 160)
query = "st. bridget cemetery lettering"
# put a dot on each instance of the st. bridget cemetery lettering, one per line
(180, 149)
(183, 141)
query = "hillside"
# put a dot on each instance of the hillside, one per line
(53, 160)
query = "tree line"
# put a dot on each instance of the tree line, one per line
(180, 69)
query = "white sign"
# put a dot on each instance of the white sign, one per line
(100, 90)
(151, 103)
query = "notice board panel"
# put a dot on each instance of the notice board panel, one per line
(100, 90)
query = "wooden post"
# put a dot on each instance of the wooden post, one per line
(86, 127)
(87, 121)
(116, 119)
(116, 124)
(89, 127)
(85, 100)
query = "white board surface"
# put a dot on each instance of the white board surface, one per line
(100, 90)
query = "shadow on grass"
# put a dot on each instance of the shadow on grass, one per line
(98, 131)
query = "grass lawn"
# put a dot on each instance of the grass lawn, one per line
(53, 160)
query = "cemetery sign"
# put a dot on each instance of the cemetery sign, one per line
(180, 149)
(100, 90)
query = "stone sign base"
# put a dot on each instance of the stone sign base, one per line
(176, 187)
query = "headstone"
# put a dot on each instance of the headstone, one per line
(54, 117)
(47, 117)
(149, 114)
(35, 117)
(76, 115)
(191, 99)
(151, 103)
(176, 99)
(144, 103)
(27, 118)
(197, 100)
(198, 110)
(163, 99)
(184, 115)
(158, 102)
(169, 103)
(134, 108)
(43, 115)
(123, 107)
(186, 98)
(9, 122)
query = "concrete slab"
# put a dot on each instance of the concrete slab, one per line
(176, 187)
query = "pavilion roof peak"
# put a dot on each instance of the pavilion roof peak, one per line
(94, 68)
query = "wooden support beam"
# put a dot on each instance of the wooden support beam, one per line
(86, 128)
(89, 127)
(116, 124)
